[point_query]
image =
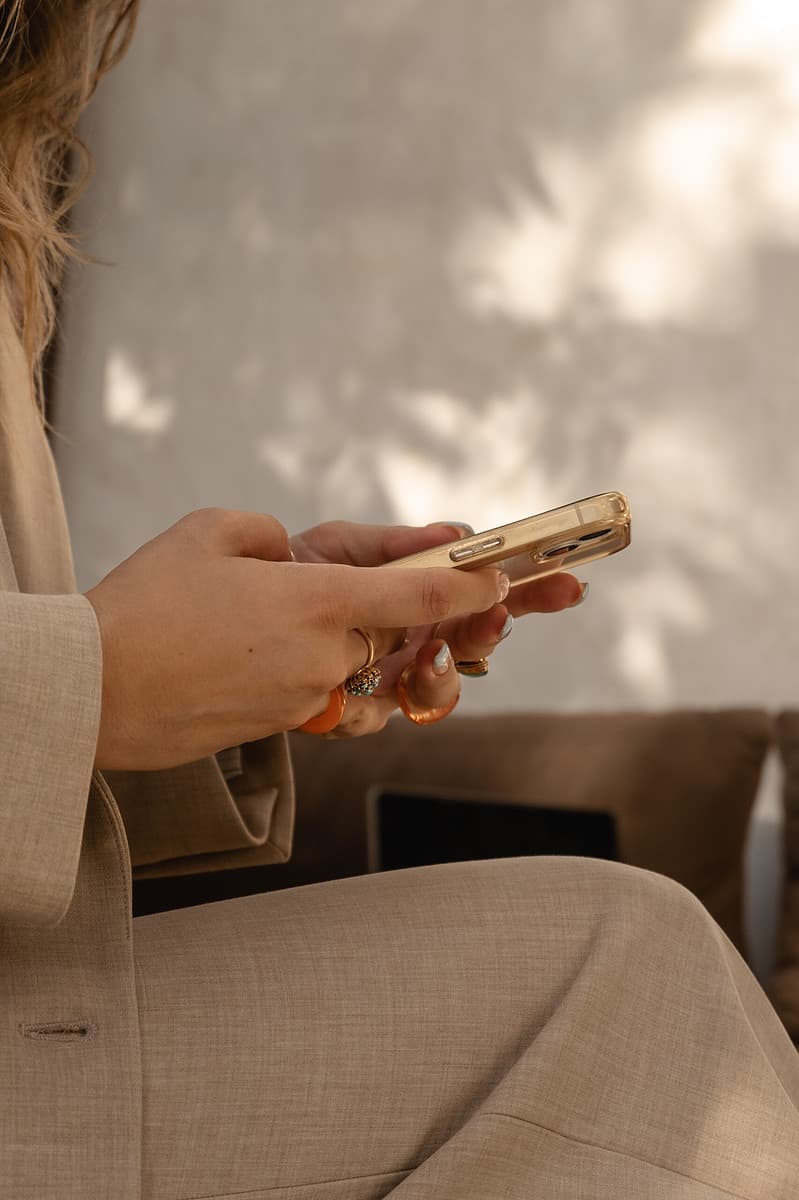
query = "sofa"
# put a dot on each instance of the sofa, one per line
(672, 792)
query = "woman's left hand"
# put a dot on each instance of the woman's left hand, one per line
(468, 638)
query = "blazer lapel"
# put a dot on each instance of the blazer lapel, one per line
(8, 576)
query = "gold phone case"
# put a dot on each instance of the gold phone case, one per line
(558, 540)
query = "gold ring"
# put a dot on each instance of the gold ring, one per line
(424, 716)
(370, 646)
(363, 682)
(331, 717)
(474, 668)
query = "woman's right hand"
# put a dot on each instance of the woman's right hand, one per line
(213, 636)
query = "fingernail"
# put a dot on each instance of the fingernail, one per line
(506, 628)
(442, 660)
(504, 587)
(582, 596)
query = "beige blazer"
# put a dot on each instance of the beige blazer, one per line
(70, 1077)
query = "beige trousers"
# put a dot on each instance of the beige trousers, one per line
(559, 1028)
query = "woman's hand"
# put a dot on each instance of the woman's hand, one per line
(212, 636)
(434, 681)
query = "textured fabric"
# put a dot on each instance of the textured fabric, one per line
(785, 983)
(548, 1027)
(70, 1074)
(50, 666)
(35, 554)
(680, 785)
(70, 1087)
(232, 810)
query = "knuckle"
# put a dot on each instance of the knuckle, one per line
(379, 722)
(363, 721)
(436, 597)
(197, 526)
(209, 517)
(327, 615)
(249, 533)
(355, 725)
(329, 611)
(277, 527)
(330, 529)
(270, 530)
(328, 538)
(203, 523)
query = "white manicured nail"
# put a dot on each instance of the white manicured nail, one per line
(504, 587)
(506, 628)
(442, 660)
(582, 596)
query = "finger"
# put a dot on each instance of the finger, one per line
(433, 682)
(385, 642)
(551, 594)
(373, 545)
(363, 716)
(238, 534)
(401, 540)
(394, 597)
(395, 663)
(478, 635)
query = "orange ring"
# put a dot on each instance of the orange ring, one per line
(331, 717)
(425, 716)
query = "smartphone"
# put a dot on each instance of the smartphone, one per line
(558, 540)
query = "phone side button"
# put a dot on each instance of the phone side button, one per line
(463, 552)
(460, 553)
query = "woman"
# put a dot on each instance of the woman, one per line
(548, 1027)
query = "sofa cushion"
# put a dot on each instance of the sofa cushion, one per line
(785, 983)
(680, 786)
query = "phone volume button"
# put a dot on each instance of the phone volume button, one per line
(461, 553)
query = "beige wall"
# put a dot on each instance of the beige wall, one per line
(463, 259)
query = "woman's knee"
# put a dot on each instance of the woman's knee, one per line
(612, 894)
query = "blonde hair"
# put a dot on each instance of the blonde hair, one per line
(53, 54)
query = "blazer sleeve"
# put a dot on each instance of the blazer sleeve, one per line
(233, 809)
(50, 696)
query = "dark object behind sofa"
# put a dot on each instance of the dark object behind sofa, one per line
(457, 830)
